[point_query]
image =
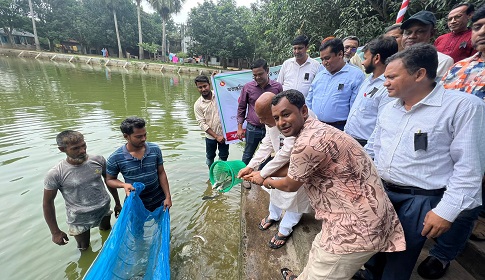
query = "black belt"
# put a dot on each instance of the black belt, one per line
(412, 190)
(336, 123)
(362, 142)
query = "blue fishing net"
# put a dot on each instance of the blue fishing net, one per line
(138, 245)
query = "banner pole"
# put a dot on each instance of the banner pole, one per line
(402, 11)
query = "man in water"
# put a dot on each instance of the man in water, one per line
(79, 178)
(139, 161)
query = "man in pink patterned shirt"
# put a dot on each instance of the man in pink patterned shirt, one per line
(343, 186)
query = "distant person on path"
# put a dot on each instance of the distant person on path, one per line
(457, 43)
(299, 71)
(295, 203)
(429, 152)
(372, 94)
(467, 75)
(104, 52)
(79, 178)
(334, 88)
(420, 28)
(344, 188)
(139, 161)
(251, 91)
(207, 116)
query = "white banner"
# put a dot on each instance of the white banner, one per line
(227, 87)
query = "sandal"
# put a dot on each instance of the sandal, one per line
(267, 220)
(273, 245)
(286, 272)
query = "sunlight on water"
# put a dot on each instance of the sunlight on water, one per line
(38, 99)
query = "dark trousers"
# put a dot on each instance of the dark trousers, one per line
(362, 142)
(339, 125)
(411, 210)
(211, 146)
(452, 242)
(254, 135)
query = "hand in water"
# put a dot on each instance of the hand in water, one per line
(60, 238)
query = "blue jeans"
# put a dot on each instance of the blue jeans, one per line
(211, 146)
(254, 135)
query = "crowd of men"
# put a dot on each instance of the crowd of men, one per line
(418, 117)
(387, 148)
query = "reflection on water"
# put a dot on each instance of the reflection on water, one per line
(38, 99)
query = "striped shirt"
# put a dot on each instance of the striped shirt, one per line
(136, 170)
(454, 123)
(207, 115)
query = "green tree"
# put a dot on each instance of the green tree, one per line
(165, 8)
(111, 5)
(13, 15)
(274, 24)
(151, 48)
(140, 35)
(57, 20)
(32, 15)
(367, 19)
(219, 30)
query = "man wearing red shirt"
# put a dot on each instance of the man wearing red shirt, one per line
(457, 43)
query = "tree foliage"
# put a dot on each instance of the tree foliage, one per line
(218, 27)
(165, 8)
(220, 30)
(13, 14)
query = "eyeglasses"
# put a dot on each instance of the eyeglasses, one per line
(353, 49)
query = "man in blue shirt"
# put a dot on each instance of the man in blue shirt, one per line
(334, 89)
(139, 161)
(372, 94)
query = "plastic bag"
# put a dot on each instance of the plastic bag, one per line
(138, 246)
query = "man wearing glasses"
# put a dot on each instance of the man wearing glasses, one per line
(457, 43)
(351, 43)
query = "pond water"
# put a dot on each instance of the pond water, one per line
(39, 99)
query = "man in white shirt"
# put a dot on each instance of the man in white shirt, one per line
(429, 150)
(295, 203)
(372, 94)
(298, 72)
